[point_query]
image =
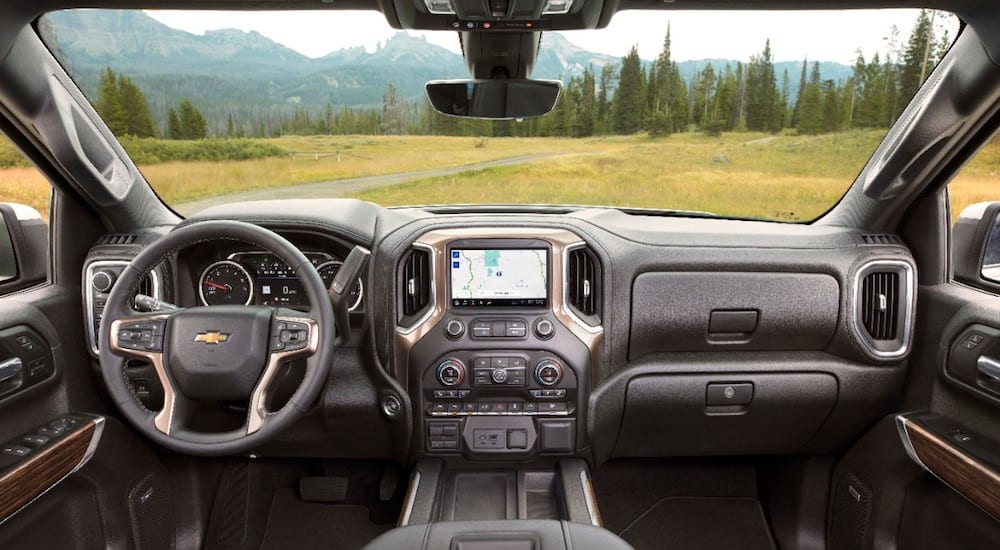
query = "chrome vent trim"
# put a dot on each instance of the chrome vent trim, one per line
(583, 281)
(883, 302)
(582, 286)
(149, 285)
(419, 288)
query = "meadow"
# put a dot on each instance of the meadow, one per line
(784, 177)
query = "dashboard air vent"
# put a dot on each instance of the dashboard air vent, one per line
(880, 304)
(880, 239)
(416, 282)
(583, 282)
(117, 239)
(883, 307)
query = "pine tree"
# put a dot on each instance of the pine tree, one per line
(679, 105)
(394, 115)
(192, 123)
(702, 89)
(174, 125)
(811, 104)
(761, 91)
(109, 103)
(724, 103)
(783, 108)
(916, 57)
(135, 109)
(628, 100)
(586, 113)
(798, 97)
(603, 99)
(830, 117)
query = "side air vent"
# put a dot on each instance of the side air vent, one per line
(583, 284)
(880, 304)
(880, 239)
(99, 277)
(883, 307)
(416, 282)
(117, 239)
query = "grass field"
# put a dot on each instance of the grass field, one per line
(749, 175)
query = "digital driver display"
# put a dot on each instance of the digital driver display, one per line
(499, 277)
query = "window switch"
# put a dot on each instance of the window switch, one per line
(35, 440)
(16, 450)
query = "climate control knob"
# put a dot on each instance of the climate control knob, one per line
(451, 372)
(103, 281)
(548, 372)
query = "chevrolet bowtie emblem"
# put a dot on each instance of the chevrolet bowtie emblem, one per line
(211, 337)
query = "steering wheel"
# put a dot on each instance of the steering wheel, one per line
(216, 352)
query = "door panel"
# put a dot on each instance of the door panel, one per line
(101, 487)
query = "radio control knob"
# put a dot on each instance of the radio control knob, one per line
(454, 329)
(548, 372)
(499, 376)
(451, 372)
(102, 281)
(544, 329)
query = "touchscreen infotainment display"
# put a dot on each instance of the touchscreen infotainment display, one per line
(499, 277)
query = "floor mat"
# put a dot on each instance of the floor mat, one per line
(703, 523)
(293, 523)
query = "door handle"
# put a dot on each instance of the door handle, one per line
(11, 369)
(988, 367)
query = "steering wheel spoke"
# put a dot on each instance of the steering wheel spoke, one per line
(292, 337)
(142, 337)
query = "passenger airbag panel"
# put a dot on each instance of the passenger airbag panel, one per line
(680, 311)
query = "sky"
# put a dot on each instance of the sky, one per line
(820, 36)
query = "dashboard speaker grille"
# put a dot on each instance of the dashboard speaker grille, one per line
(416, 282)
(583, 282)
(880, 304)
(117, 239)
(880, 239)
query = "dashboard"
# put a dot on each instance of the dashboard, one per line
(486, 335)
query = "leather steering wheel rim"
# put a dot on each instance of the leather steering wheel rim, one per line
(118, 307)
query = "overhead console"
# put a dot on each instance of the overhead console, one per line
(496, 339)
(499, 15)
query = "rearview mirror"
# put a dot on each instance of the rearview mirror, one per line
(976, 246)
(494, 99)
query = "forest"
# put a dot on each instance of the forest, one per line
(626, 98)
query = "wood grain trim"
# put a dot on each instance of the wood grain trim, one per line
(972, 479)
(40, 472)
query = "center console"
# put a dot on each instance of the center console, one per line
(500, 364)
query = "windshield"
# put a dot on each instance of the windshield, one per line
(763, 115)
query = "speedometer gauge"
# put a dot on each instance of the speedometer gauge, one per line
(225, 283)
(328, 271)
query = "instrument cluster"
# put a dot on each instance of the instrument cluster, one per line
(261, 278)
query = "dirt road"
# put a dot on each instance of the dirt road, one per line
(349, 186)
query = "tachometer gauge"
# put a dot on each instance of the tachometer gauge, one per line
(225, 283)
(328, 271)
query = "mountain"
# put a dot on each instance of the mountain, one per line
(245, 73)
